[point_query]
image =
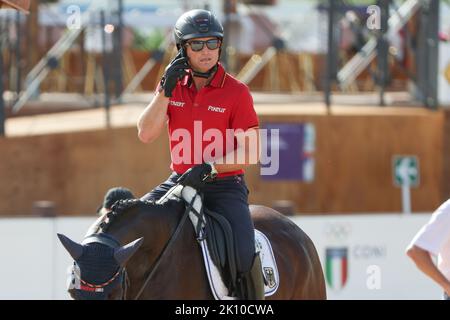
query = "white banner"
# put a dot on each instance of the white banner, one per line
(363, 255)
(372, 250)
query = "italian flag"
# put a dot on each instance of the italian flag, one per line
(336, 267)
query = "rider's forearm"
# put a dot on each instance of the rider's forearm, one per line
(153, 118)
(244, 155)
(235, 161)
(423, 261)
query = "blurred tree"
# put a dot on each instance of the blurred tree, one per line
(147, 41)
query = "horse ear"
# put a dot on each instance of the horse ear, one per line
(74, 249)
(124, 253)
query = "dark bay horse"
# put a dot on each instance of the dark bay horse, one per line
(167, 263)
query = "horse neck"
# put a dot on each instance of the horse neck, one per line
(180, 274)
(183, 259)
(154, 223)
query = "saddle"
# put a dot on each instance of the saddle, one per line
(219, 238)
(215, 237)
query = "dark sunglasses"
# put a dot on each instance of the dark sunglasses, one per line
(197, 45)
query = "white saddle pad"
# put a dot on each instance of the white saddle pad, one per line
(269, 269)
(262, 244)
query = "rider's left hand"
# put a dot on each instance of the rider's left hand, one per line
(197, 176)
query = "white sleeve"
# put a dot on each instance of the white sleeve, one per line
(433, 235)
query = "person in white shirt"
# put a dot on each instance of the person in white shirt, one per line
(434, 239)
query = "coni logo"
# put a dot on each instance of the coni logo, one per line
(337, 270)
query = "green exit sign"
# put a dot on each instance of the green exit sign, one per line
(406, 171)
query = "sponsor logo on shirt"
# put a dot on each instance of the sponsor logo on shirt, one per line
(216, 109)
(177, 103)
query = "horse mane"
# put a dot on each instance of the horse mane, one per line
(118, 210)
(122, 208)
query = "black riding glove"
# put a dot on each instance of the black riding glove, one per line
(197, 176)
(175, 71)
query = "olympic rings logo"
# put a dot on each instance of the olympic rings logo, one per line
(338, 230)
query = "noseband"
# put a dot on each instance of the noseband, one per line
(86, 286)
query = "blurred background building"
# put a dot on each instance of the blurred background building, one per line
(82, 55)
(294, 55)
(118, 46)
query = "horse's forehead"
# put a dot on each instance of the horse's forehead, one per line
(97, 261)
(97, 251)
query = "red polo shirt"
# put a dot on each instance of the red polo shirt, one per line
(201, 123)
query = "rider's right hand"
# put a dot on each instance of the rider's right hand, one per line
(174, 71)
(198, 175)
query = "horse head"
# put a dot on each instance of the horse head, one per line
(98, 271)
(103, 268)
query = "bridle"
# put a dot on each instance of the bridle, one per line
(86, 286)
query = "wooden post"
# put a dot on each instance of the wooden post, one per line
(32, 35)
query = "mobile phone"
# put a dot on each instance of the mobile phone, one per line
(183, 53)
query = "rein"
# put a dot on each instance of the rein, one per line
(167, 246)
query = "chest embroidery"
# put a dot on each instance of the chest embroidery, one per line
(216, 109)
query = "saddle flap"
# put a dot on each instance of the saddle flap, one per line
(268, 264)
(216, 243)
(219, 237)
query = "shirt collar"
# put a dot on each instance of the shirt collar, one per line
(219, 77)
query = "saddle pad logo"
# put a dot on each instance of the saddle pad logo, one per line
(269, 275)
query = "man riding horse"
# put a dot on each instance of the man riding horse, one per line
(142, 249)
(199, 100)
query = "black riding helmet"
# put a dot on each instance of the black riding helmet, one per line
(197, 23)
